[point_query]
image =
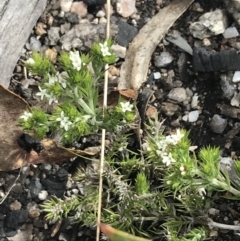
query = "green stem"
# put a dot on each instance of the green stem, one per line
(225, 187)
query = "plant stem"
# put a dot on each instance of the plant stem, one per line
(225, 187)
(213, 224)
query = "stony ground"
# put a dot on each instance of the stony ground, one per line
(198, 93)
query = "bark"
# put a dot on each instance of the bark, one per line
(17, 19)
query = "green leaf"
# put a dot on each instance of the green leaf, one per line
(117, 235)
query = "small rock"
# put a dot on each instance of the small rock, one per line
(46, 168)
(100, 14)
(113, 71)
(94, 2)
(194, 103)
(120, 51)
(77, 43)
(95, 21)
(16, 205)
(157, 75)
(105, 6)
(230, 33)
(213, 211)
(193, 116)
(158, 94)
(64, 28)
(209, 24)
(72, 17)
(51, 54)
(102, 20)
(151, 112)
(17, 188)
(218, 124)
(35, 187)
(14, 219)
(40, 29)
(206, 42)
(227, 86)
(33, 210)
(163, 60)
(35, 45)
(43, 195)
(53, 35)
(126, 33)
(235, 101)
(169, 109)
(178, 94)
(66, 5)
(80, 8)
(126, 7)
(236, 77)
(197, 7)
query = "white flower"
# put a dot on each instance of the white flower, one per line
(64, 121)
(202, 191)
(105, 49)
(52, 98)
(42, 93)
(26, 115)
(162, 145)
(52, 80)
(30, 61)
(76, 60)
(167, 159)
(174, 138)
(126, 106)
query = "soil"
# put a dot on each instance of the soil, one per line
(206, 85)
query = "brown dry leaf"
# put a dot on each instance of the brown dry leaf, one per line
(113, 97)
(135, 68)
(11, 155)
(130, 93)
(51, 54)
(51, 153)
(11, 108)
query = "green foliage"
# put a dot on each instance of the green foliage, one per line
(164, 185)
(36, 121)
(40, 65)
(141, 184)
(74, 93)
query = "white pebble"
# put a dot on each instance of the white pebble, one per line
(43, 195)
(157, 75)
(230, 33)
(193, 116)
(218, 124)
(177, 94)
(95, 21)
(102, 20)
(66, 5)
(100, 14)
(236, 77)
(194, 103)
(185, 118)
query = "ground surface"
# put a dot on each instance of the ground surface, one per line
(206, 85)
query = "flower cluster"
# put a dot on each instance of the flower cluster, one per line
(163, 145)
